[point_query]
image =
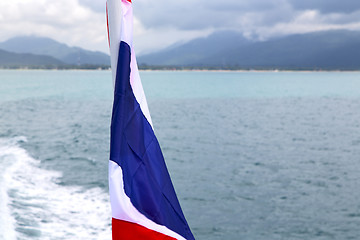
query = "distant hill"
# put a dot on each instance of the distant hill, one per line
(319, 50)
(47, 46)
(9, 59)
(195, 51)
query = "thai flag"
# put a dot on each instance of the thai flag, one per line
(143, 200)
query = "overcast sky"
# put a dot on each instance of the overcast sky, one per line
(159, 23)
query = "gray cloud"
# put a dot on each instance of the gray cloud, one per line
(327, 6)
(229, 14)
(252, 17)
(258, 19)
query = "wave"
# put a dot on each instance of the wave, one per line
(34, 205)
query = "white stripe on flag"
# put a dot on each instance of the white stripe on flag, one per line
(123, 209)
(119, 31)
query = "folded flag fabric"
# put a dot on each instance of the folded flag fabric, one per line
(143, 200)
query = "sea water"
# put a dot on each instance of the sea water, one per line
(252, 155)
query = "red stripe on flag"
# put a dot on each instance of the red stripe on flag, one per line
(122, 230)
(107, 24)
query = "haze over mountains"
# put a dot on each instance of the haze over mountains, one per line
(328, 50)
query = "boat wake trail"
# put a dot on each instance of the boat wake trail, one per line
(34, 205)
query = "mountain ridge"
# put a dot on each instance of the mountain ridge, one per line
(10, 60)
(336, 49)
(47, 46)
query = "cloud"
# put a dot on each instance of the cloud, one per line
(260, 19)
(95, 5)
(63, 20)
(310, 21)
(327, 6)
(191, 15)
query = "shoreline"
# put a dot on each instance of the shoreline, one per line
(191, 70)
(244, 71)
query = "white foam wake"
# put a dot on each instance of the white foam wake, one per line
(33, 205)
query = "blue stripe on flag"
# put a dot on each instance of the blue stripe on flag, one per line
(136, 150)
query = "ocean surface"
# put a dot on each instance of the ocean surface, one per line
(252, 155)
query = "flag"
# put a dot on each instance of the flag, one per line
(143, 200)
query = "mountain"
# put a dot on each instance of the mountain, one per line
(320, 50)
(47, 46)
(326, 50)
(195, 51)
(9, 59)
